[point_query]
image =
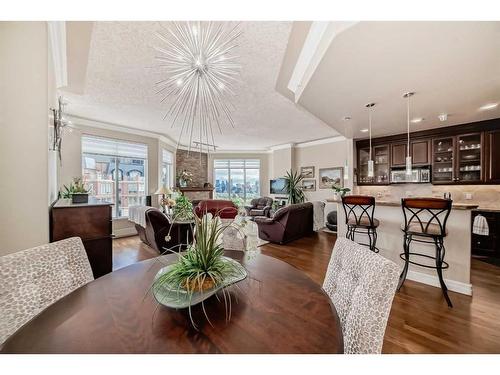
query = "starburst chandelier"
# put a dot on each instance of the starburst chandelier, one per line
(199, 61)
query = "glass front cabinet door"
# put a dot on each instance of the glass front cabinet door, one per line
(443, 167)
(469, 167)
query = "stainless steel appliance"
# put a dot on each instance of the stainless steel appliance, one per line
(418, 175)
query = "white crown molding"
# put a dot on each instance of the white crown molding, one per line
(323, 141)
(57, 38)
(84, 121)
(225, 151)
(282, 147)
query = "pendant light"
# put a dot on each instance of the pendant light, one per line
(346, 163)
(371, 171)
(408, 95)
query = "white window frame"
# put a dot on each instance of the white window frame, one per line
(244, 168)
(116, 177)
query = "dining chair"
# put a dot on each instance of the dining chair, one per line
(361, 285)
(35, 278)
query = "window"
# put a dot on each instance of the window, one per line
(115, 172)
(166, 178)
(237, 178)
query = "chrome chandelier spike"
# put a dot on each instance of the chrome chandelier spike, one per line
(201, 67)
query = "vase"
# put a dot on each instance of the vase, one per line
(180, 298)
(183, 183)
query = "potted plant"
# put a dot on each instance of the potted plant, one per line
(340, 191)
(293, 187)
(182, 209)
(76, 191)
(201, 271)
(185, 178)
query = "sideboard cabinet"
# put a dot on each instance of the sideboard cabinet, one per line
(92, 223)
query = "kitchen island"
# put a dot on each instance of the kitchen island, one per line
(390, 243)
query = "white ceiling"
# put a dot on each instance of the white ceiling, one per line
(454, 68)
(121, 72)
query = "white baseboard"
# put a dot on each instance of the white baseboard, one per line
(433, 280)
(124, 232)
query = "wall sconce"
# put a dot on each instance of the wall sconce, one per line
(59, 123)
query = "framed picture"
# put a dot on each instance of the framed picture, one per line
(309, 185)
(307, 172)
(328, 177)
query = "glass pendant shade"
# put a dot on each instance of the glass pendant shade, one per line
(408, 95)
(408, 166)
(346, 170)
(371, 172)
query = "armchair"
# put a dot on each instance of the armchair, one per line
(288, 224)
(259, 207)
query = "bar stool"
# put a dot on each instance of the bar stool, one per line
(425, 222)
(359, 210)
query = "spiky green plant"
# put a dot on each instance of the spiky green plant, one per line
(293, 187)
(76, 187)
(202, 267)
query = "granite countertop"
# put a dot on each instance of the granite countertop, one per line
(64, 203)
(381, 202)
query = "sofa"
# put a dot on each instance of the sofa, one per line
(259, 207)
(287, 224)
(158, 226)
(223, 208)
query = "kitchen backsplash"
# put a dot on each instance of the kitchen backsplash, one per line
(486, 196)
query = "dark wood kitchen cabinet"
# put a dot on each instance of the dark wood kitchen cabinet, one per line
(487, 246)
(398, 155)
(460, 154)
(92, 223)
(492, 152)
(420, 151)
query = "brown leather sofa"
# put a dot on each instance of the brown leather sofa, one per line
(288, 223)
(259, 207)
(157, 227)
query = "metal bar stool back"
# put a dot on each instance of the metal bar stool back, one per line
(359, 218)
(425, 222)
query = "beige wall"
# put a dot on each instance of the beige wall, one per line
(322, 156)
(282, 161)
(24, 103)
(264, 166)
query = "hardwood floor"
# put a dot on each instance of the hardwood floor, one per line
(420, 320)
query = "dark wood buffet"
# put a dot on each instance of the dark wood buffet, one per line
(91, 222)
(460, 154)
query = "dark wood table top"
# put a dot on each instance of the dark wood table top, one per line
(277, 309)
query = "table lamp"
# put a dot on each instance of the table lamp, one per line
(163, 191)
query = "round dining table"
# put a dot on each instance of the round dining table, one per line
(276, 309)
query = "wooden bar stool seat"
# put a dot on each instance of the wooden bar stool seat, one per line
(359, 211)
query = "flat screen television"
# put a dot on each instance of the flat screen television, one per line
(277, 186)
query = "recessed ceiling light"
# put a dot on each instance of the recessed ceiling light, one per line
(443, 117)
(488, 106)
(364, 130)
(416, 120)
(346, 118)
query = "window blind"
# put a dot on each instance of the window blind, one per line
(167, 157)
(236, 163)
(113, 147)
